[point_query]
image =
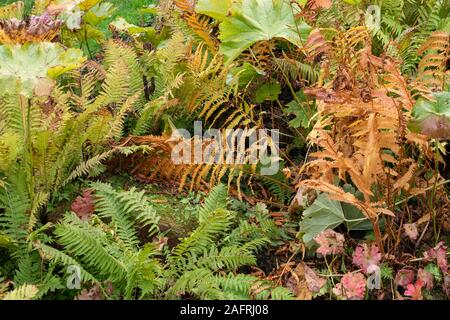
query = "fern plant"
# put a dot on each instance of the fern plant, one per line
(51, 134)
(205, 264)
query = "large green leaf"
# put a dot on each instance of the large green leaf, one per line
(99, 13)
(432, 118)
(269, 91)
(22, 68)
(258, 20)
(325, 213)
(217, 9)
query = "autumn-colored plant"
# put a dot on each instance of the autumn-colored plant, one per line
(361, 135)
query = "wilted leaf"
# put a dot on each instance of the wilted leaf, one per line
(326, 4)
(35, 29)
(426, 277)
(414, 290)
(44, 87)
(438, 253)
(298, 284)
(330, 242)
(404, 277)
(313, 280)
(367, 258)
(352, 287)
(411, 230)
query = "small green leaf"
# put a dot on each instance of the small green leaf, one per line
(301, 119)
(151, 9)
(146, 34)
(246, 73)
(268, 92)
(435, 271)
(386, 272)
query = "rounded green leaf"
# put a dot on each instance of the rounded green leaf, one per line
(22, 67)
(432, 118)
(259, 20)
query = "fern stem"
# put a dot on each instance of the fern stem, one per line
(29, 144)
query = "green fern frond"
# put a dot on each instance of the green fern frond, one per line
(91, 246)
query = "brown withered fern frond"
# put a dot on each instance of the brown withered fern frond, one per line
(199, 24)
(260, 56)
(187, 172)
(361, 135)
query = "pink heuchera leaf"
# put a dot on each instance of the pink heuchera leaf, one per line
(414, 290)
(352, 287)
(446, 285)
(84, 205)
(367, 258)
(95, 292)
(426, 277)
(404, 277)
(439, 252)
(411, 230)
(313, 281)
(330, 242)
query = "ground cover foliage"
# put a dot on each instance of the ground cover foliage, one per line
(93, 205)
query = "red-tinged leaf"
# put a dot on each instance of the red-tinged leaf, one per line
(330, 242)
(351, 287)
(404, 277)
(313, 281)
(426, 277)
(84, 205)
(438, 253)
(367, 258)
(414, 290)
